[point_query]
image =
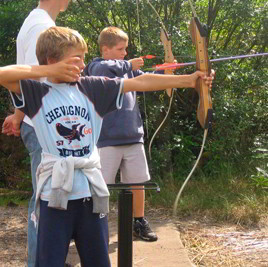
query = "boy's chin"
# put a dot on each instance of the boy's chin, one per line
(56, 81)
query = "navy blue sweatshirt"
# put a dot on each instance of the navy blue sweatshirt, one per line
(124, 126)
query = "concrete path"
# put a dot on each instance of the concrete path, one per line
(168, 251)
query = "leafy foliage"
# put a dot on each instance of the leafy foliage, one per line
(240, 91)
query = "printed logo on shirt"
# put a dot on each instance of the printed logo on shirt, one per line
(73, 127)
(75, 153)
(62, 111)
(71, 134)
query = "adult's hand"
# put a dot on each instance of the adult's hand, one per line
(11, 126)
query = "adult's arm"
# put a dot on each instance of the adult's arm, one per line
(63, 70)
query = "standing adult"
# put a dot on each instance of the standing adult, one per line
(39, 19)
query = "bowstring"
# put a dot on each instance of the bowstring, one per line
(175, 206)
(138, 24)
(192, 7)
(161, 124)
(158, 16)
(139, 51)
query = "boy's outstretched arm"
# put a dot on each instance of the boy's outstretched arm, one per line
(63, 70)
(156, 82)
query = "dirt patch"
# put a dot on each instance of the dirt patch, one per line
(13, 236)
(207, 244)
(225, 245)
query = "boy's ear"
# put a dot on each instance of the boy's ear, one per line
(51, 61)
(104, 50)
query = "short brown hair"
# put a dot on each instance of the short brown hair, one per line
(54, 42)
(111, 36)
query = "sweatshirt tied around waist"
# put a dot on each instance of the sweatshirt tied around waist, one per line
(62, 172)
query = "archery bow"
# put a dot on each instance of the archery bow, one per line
(204, 110)
(169, 58)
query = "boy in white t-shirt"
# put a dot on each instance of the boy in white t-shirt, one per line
(39, 19)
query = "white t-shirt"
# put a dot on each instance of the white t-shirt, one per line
(36, 22)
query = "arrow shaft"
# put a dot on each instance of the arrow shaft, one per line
(179, 65)
(238, 57)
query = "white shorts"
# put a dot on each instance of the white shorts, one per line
(130, 159)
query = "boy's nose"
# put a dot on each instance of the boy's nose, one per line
(82, 65)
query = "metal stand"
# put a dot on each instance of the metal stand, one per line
(125, 219)
(125, 224)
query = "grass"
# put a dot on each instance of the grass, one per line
(233, 199)
(11, 197)
(223, 198)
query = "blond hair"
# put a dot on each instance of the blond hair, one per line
(54, 42)
(111, 36)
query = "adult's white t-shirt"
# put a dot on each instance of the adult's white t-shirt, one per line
(36, 22)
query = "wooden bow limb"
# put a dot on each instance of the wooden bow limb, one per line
(199, 38)
(169, 58)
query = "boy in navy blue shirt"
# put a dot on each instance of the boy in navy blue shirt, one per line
(122, 136)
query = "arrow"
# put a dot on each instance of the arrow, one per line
(180, 65)
(149, 56)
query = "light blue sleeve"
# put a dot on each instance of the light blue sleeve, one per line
(17, 99)
(120, 96)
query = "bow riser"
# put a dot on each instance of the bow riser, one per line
(199, 38)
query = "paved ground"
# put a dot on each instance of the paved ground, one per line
(168, 251)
